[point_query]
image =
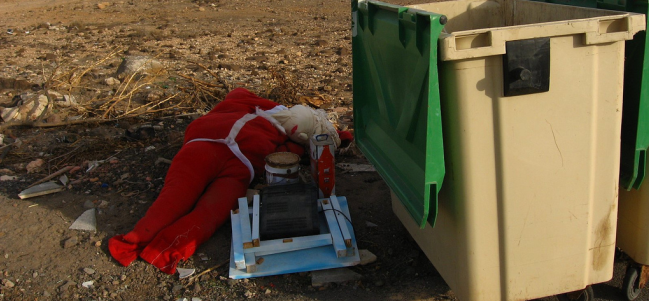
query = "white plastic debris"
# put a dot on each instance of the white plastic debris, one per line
(93, 164)
(40, 189)
(64, 179)
(88, 284)
(149, 148)
(184, 273)
(86, 222)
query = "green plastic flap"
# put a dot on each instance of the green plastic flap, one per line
(635, 111)
(397, 118)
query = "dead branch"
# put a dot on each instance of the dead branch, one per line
(193, 278)
(61, 171)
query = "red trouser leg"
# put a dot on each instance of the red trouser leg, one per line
(195, 166)
(179, 240)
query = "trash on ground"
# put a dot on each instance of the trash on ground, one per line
(351, 167)
(367, 257)
(40, 189)
(86, 222)
(184, 273)
(87, 284)
(64, 179)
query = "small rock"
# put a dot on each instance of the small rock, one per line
(176, 289)
(22, 84)
(111, 81)
(249, 294)
(155, 96)
(343, 51)
(70, 242)
(201, 9)
(123, 277)
(139, 64)
(267, 292)
(46, 294)
(321, 43)
(230, 67)
(67, 285)
(88, 284)
(379, 283)
(54, 118)
(89, 271)
(232, 282)
(7, 283)
(35, 165)
(103, 5)
(197, 288)
(7, 178)
(51, 57)
(35, 274)
(89, 204)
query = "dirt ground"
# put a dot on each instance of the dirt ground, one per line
(287, 50)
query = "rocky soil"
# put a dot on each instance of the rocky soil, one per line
(67, 101)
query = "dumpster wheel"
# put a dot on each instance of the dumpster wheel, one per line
(586, 294)
(631, 285)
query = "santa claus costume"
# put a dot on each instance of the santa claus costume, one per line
(223, 151)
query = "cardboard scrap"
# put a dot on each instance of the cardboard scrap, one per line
(40, 189)
(86, 222)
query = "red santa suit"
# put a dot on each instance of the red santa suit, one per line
(223, 151)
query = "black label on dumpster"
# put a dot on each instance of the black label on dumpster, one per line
(526, 67)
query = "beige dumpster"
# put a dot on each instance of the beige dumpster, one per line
(528, 206)
(633, 235)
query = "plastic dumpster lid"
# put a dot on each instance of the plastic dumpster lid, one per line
(397, 114)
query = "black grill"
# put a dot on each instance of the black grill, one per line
(288, 211)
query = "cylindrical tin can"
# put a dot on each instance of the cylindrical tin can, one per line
(282, 168)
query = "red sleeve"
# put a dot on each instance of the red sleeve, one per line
(345, 138)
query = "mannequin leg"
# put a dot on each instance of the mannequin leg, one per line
(180, 240)
(195, 166)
